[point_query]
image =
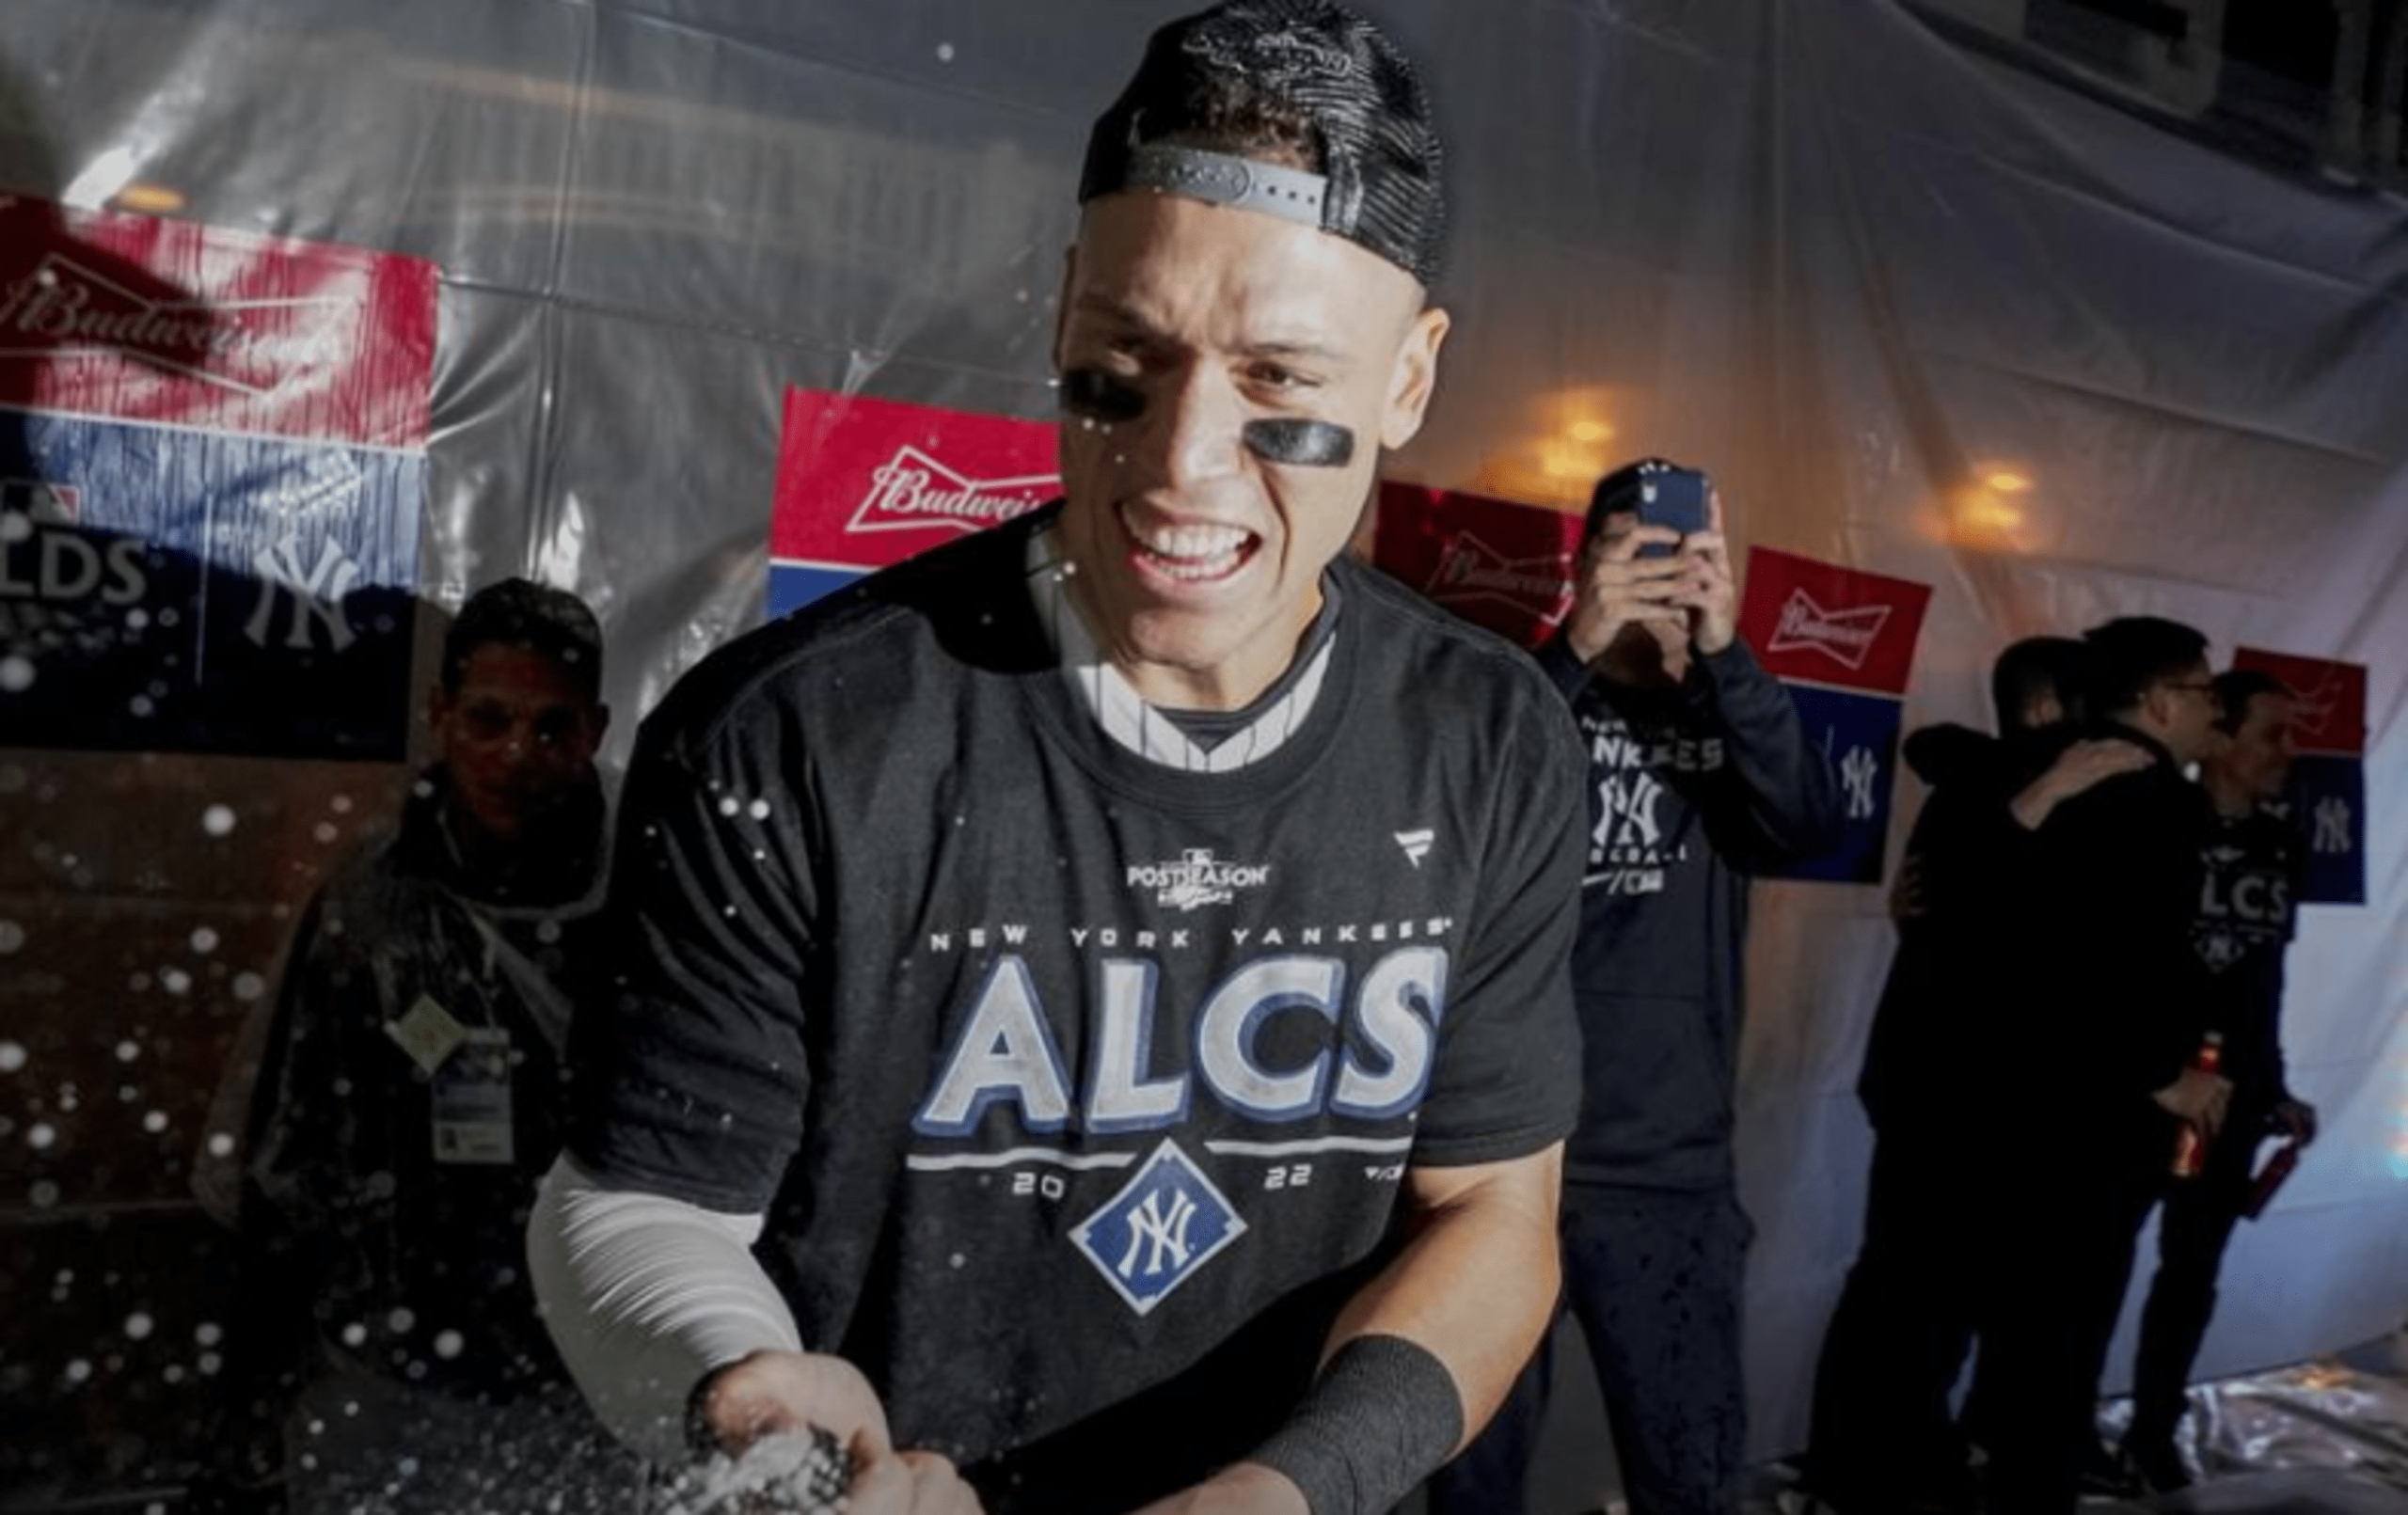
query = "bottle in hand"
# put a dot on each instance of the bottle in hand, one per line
(2191, 1143)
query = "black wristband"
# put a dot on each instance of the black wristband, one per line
(1383, 1416)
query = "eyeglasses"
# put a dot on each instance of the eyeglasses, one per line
(2206, 686)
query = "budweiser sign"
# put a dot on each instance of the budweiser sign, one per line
(2312, 714)
(915, 491)
(2329, 699)
(255, 347)
(1470, 569)
(1845, 637)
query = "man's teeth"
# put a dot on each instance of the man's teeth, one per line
(1190, 546)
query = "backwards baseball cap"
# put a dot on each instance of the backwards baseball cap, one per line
(1219, 89)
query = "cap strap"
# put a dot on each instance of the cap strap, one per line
(1218, 178)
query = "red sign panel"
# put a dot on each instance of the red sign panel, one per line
(1500, 565)
(134, 318)
(863, 483)
(2331, 713)
(1814, 622)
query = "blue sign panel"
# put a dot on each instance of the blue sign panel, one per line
(168, 590)
(2328, 804)
(1859, 734)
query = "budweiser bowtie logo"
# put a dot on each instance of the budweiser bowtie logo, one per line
(2311, 709)
(1470, 569)
(62, 309)
(915, 490)
(1845, 637)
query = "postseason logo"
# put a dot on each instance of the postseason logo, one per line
(1845, 637)
(1196, 879)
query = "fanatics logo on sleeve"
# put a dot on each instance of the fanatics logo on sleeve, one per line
(1845, 637)
(1159, 1231)
(1196, 879)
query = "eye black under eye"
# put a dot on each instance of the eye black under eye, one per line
(1299, 443)
(1096, 395)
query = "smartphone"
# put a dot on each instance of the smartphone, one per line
(1674, 497)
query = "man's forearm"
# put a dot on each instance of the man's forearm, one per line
(1420, 1358)
(643, 1296)
(1477, 1284)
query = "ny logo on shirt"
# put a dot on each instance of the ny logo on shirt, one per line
(1159, 1231)
(1159, 1236)
(1628, 802)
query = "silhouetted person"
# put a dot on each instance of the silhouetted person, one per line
(1939, 1069)
(2248, 912)
(2112, 996)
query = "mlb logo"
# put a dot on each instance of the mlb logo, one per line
(41, 501)
(1159, 1231)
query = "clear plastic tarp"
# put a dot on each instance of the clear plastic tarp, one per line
(1857, 273)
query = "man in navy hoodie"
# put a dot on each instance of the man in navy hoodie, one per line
(1702, 777)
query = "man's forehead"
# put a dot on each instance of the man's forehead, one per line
(1297, 330)
(1172, 266)
(501, 665)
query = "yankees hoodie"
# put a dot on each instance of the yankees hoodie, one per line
(1694, 787)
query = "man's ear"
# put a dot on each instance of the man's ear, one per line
(1415, 378)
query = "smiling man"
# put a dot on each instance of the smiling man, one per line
(1095, 1012)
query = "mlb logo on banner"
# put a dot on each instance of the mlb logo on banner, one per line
(1844, 644)
(863, 483)
(2327, 796)
(1503, 566)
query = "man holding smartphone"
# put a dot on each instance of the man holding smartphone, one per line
(1701, 776)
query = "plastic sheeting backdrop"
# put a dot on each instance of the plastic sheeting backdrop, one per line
(1852, 271)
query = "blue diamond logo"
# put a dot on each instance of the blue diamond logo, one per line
(1160, 1230)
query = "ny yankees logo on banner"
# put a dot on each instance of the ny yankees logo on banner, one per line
(1160, 1230)
(1858, 771)
(2334, 833)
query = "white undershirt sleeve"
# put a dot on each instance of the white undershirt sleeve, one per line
(644, 1295)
